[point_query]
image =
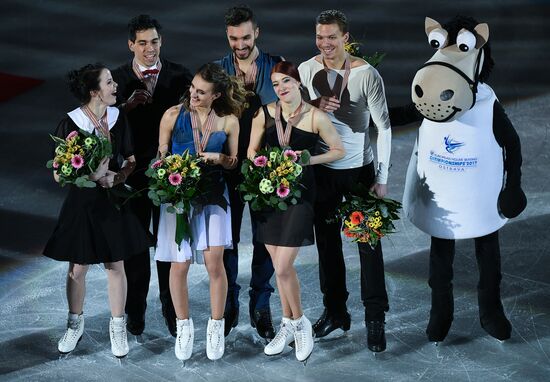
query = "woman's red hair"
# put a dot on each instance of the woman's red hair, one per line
(287, 68)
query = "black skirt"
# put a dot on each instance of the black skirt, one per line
(93, 229)
(293, 227)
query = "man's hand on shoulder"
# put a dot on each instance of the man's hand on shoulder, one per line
(138, 97)
(327, 104)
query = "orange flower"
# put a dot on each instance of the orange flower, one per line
(356, 217)
(347, 233)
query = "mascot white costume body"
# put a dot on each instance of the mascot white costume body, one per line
(464, 176)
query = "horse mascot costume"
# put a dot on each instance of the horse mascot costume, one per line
(464, 177)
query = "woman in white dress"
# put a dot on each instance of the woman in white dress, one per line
(205, 123)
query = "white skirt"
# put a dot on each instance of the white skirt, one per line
(209, 228)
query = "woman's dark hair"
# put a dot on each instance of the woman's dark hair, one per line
(287, 68)
(469, 23)
(142, 23)
(82, 81)
(232, 99)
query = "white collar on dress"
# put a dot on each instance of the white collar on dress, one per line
(84, 123)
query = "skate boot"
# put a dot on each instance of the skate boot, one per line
(215, 339)
(119, 338)
(303, 338)
(283, 338)
(184, 339)
(75, 328)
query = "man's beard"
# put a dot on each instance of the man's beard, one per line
(249, 49)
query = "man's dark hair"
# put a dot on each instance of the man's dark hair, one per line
(333, 16)
(141, 23)
(235, 16)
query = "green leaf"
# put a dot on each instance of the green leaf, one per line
(282, 206)
(298, 193)
(305, 157)
(171, 209)
(293, 201)
(248, 197)
(49, 164)
(255, 205)
(153, 196)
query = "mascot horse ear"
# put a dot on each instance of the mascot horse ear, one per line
(482, 34)
(430, 24)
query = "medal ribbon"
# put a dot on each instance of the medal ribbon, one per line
(100, 125)
(150, 81)
(337, 92)
(200, 144)
(284, 134)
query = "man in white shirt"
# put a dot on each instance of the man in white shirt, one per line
(351, 91)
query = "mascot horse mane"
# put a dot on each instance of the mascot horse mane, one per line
(446, 85)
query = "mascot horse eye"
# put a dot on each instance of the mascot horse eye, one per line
(463, 47)
(438, 38)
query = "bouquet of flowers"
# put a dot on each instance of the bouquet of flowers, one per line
(366, 219)
(175, 180)
(354, 48)
(77, 156)
(272, 178)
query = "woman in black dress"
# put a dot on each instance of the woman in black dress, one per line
(284, 232)
(90, 228)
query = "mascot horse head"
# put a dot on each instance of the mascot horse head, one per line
(445, 87)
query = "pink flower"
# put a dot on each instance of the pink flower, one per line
(282, 191)
(175, 179)
(55, 165)
(77, 161)
(260, 161)
(291, 154)
(71, 135)
(156, 164)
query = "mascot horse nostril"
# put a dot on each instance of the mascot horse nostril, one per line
(418, 91)
(446, 95)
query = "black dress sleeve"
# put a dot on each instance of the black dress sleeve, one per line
(512, 200)
(127, 142)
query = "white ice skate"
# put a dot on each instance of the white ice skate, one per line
(119, 338)
(282, 339)
(184, 339)
(75, 328)
(303, 338)
(215, 339)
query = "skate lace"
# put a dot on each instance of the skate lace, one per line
(183, 338)
(375, 328)
(300, 334)
(119, 334)
(281, 335)
(72, 331)
(214, 335)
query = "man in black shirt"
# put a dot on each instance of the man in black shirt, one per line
(147, 86)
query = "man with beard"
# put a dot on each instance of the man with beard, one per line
(253, 67)
(147, 87)
(350, 91)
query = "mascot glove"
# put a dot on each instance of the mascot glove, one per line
(511, 202)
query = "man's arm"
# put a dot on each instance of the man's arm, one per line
(376, 102)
